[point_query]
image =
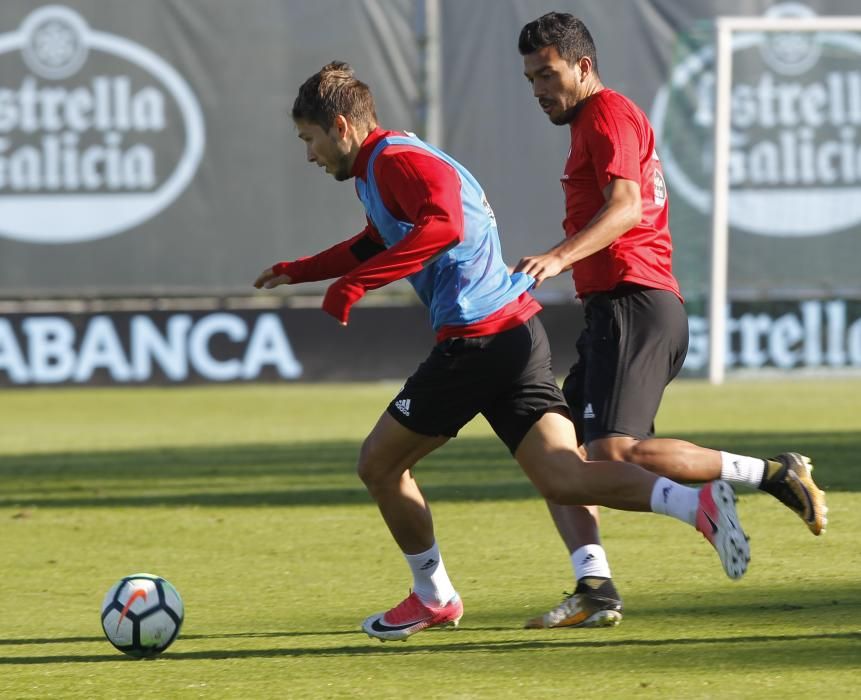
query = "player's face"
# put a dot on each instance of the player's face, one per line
(557, 85)
(326, 148)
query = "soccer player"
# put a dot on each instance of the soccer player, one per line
(617, 244)
(429, 221)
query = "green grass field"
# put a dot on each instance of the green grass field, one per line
(246, 499)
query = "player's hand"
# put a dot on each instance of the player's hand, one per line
(340, 298)
(269, 278)
(541, 267)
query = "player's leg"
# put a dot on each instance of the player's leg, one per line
(436, 401)
(631, 347)
(386, 458)
(530, 415)
(385, 463)
(548, 456)
(788, 476)
(652, 333)
(595, 601)
(562, 476)
(642, 340)
(578, 526)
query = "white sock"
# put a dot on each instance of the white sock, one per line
(430, 579)
(670, 498)
(590, 560)
(741, 470)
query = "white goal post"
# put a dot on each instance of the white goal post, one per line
(725, 27)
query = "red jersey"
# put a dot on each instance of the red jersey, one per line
(612, 138)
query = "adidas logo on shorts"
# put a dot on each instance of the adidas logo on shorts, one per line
(403, 405)
(588, 412)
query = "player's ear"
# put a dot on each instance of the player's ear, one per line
(585, 64)
(341, 126)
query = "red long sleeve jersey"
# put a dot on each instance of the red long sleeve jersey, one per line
(423, 190)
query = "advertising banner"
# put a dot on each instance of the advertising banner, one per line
(91, 159)
(795, 155)
(194, 346)
(147, 148)
(147, 151)
(221, 345)
(795, 164)
(819, 334)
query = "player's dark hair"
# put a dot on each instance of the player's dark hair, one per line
(567, 34)
(332, 91)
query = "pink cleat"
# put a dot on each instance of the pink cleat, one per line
(411, 616)
(718, 521)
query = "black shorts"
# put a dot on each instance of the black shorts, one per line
(634, 343)
(506, 377)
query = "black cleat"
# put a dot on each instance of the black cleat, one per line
(788, 479)
(588, 606)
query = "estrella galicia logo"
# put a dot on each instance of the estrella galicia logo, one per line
(97, 133)
(795, 147)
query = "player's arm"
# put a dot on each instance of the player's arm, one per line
(333, 262)
(622, 210)
(418, 188)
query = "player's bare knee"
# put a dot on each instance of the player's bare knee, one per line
(614, 450)
(370, 468)
(564, 495)
(377, 476)
(638, 454)
(558, 488)
(365, 472)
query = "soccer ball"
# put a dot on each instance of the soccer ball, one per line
(142, 614)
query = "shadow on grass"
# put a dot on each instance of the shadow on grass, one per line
(475, 636)
(773, 645)
(323, 473)
(37, 641)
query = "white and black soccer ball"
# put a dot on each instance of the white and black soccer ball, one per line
(142, 614)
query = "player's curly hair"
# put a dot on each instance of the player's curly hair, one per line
(331, 91)
(565, 32)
